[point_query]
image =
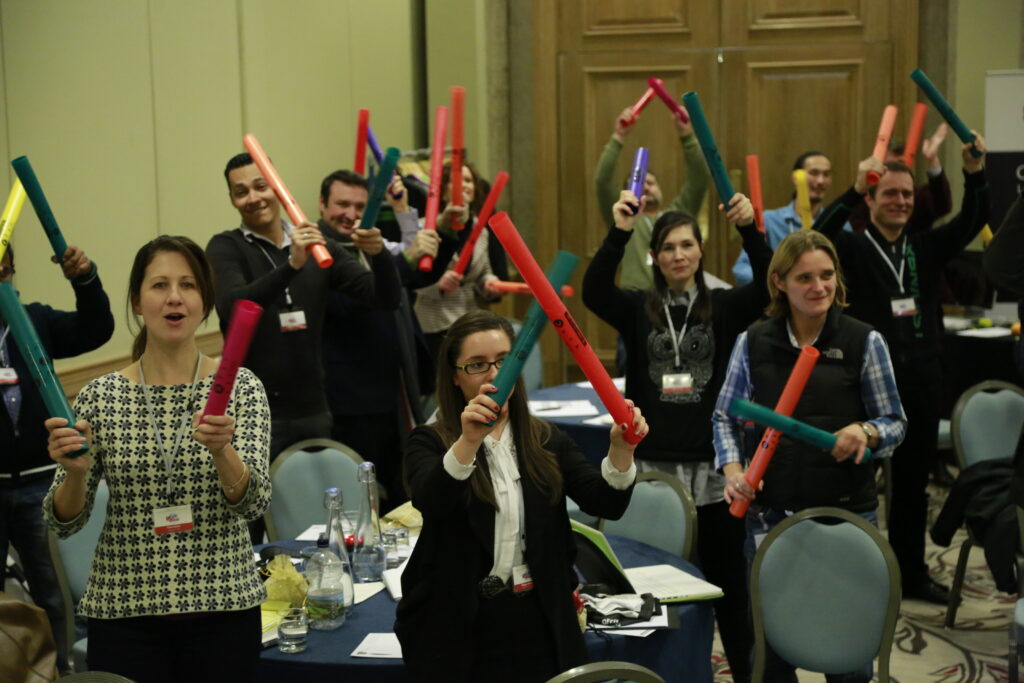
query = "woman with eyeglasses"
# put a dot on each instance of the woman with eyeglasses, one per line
(488, 591)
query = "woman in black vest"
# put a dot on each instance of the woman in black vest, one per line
(677, 337)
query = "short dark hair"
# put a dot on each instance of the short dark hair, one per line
(800, 160)
(892, 167)
(898, 147)
(345, 177)
(237, 161)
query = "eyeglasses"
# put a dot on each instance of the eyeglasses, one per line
(477, 367)
(6, 271)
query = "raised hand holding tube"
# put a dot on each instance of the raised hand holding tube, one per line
(658, 86)
(885, 128)
(27, 176)
(638, 106)
(481, 222)
(707, 145)
(9, 218)
(803, 199)
(754, 183)
(244, 318)
(944, 108)
(434, 192)
(638, 178)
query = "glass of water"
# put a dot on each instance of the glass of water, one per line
(292, 631)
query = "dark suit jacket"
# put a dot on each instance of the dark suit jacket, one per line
(436, 616)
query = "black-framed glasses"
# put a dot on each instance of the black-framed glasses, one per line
(477, 367)
(6, 271)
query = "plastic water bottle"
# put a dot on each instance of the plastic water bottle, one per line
(369, 556)
(325, 601)
(336, 541)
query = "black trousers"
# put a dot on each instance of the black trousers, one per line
(720, 538)
(911, 463)
(220, 646)
(376, 438)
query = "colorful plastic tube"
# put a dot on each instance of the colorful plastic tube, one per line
(27, 176)
(803, 199)
(638, 106)
(359, 165)
(754, 183)
(707, 144)
(245, 316)
(791, 393)
(379, 188)
(944, 108)
(801, 431)
(914, 134)
(375, 149)
(252, 145)
(9, 218)
(563, 321)
(638, 177)
(658, 86)
(434, 191)
(481, 222)
(36, 357)
(506, 287)
(885, 128)
(458, 149)
(558, 275)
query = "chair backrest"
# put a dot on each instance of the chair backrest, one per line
(72, 558)
(986, 422)
(662, 497)
(299, 476)
(533, 369)
(603, 671)
(825, 596)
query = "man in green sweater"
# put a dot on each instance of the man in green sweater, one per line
(636, 263)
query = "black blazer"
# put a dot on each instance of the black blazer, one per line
(455, 551)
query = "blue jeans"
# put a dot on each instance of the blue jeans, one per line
(761, 520)
(22, 525)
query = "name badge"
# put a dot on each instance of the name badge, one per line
(170, 520)
(8, 376)
(293, 320)
(521, 579)
(650, 259)
(903, 307)
(677, 383)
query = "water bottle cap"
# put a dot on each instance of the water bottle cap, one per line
(367, 472)
(322, 542)
(332, 491)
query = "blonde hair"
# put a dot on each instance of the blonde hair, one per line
(789, 251)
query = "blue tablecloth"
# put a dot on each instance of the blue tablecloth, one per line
(592, 439)
(682, 654)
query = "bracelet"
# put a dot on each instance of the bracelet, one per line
(231, 488)
(869, 431)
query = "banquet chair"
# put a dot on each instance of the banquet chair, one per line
(299, 476)
(986, 425)
(1017, 623)
(604, 671)
(806, 573)
(96, 677)
(662, 497)
(72, 560)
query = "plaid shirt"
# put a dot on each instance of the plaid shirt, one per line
(878, 389)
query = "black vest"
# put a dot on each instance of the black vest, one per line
(800, 475)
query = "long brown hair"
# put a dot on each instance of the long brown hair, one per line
(655, 303)
(197, 261)
(528, 432)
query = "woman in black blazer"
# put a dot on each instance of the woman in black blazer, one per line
(487, 593)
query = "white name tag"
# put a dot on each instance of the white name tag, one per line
(903, 307)
(172, 519)
(8, 376)
(677, 383)
(293, 320)
(521, 579)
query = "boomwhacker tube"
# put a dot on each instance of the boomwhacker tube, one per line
(506, 287)
(567, 328)
(359, 165)
(38, 361)
(801, 431)
(371, 140)
(252, 145)
(455, 180)
(9, 218)
(707, 145)
(754, 184)
(639, 176)
(885, 128)
(245, 316)
(558, 274)
(791, 393)
(434, 191)
(34, 190)
(803, 199)
(944, 108)
(658, 86)
(481, 222)
(379, 188)
(914, 134)
(638, 106)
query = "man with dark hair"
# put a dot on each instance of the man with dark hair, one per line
(781, 221)
(265, 260)
(892, 279)
(26, 469)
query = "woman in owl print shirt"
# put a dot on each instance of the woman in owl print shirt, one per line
(678, 336)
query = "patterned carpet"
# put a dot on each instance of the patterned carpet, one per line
(975, 651)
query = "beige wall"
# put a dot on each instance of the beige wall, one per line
(128, 110)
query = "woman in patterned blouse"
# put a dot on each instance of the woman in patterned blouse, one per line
(173, 590)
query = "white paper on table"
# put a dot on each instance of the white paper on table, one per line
(576, 408)
(986, 332)
(635, 633)
(619, 382)
(657, 621)
(312, 533)
(393, 580)
(671, 584)
(601, 420)
(365, 591)
(379, 646)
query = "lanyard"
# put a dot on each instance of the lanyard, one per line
(888, 261)
(287, 293)
(676, 341)
(168, 458)
(4, 360)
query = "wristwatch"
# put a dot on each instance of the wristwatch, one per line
(869, 430)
